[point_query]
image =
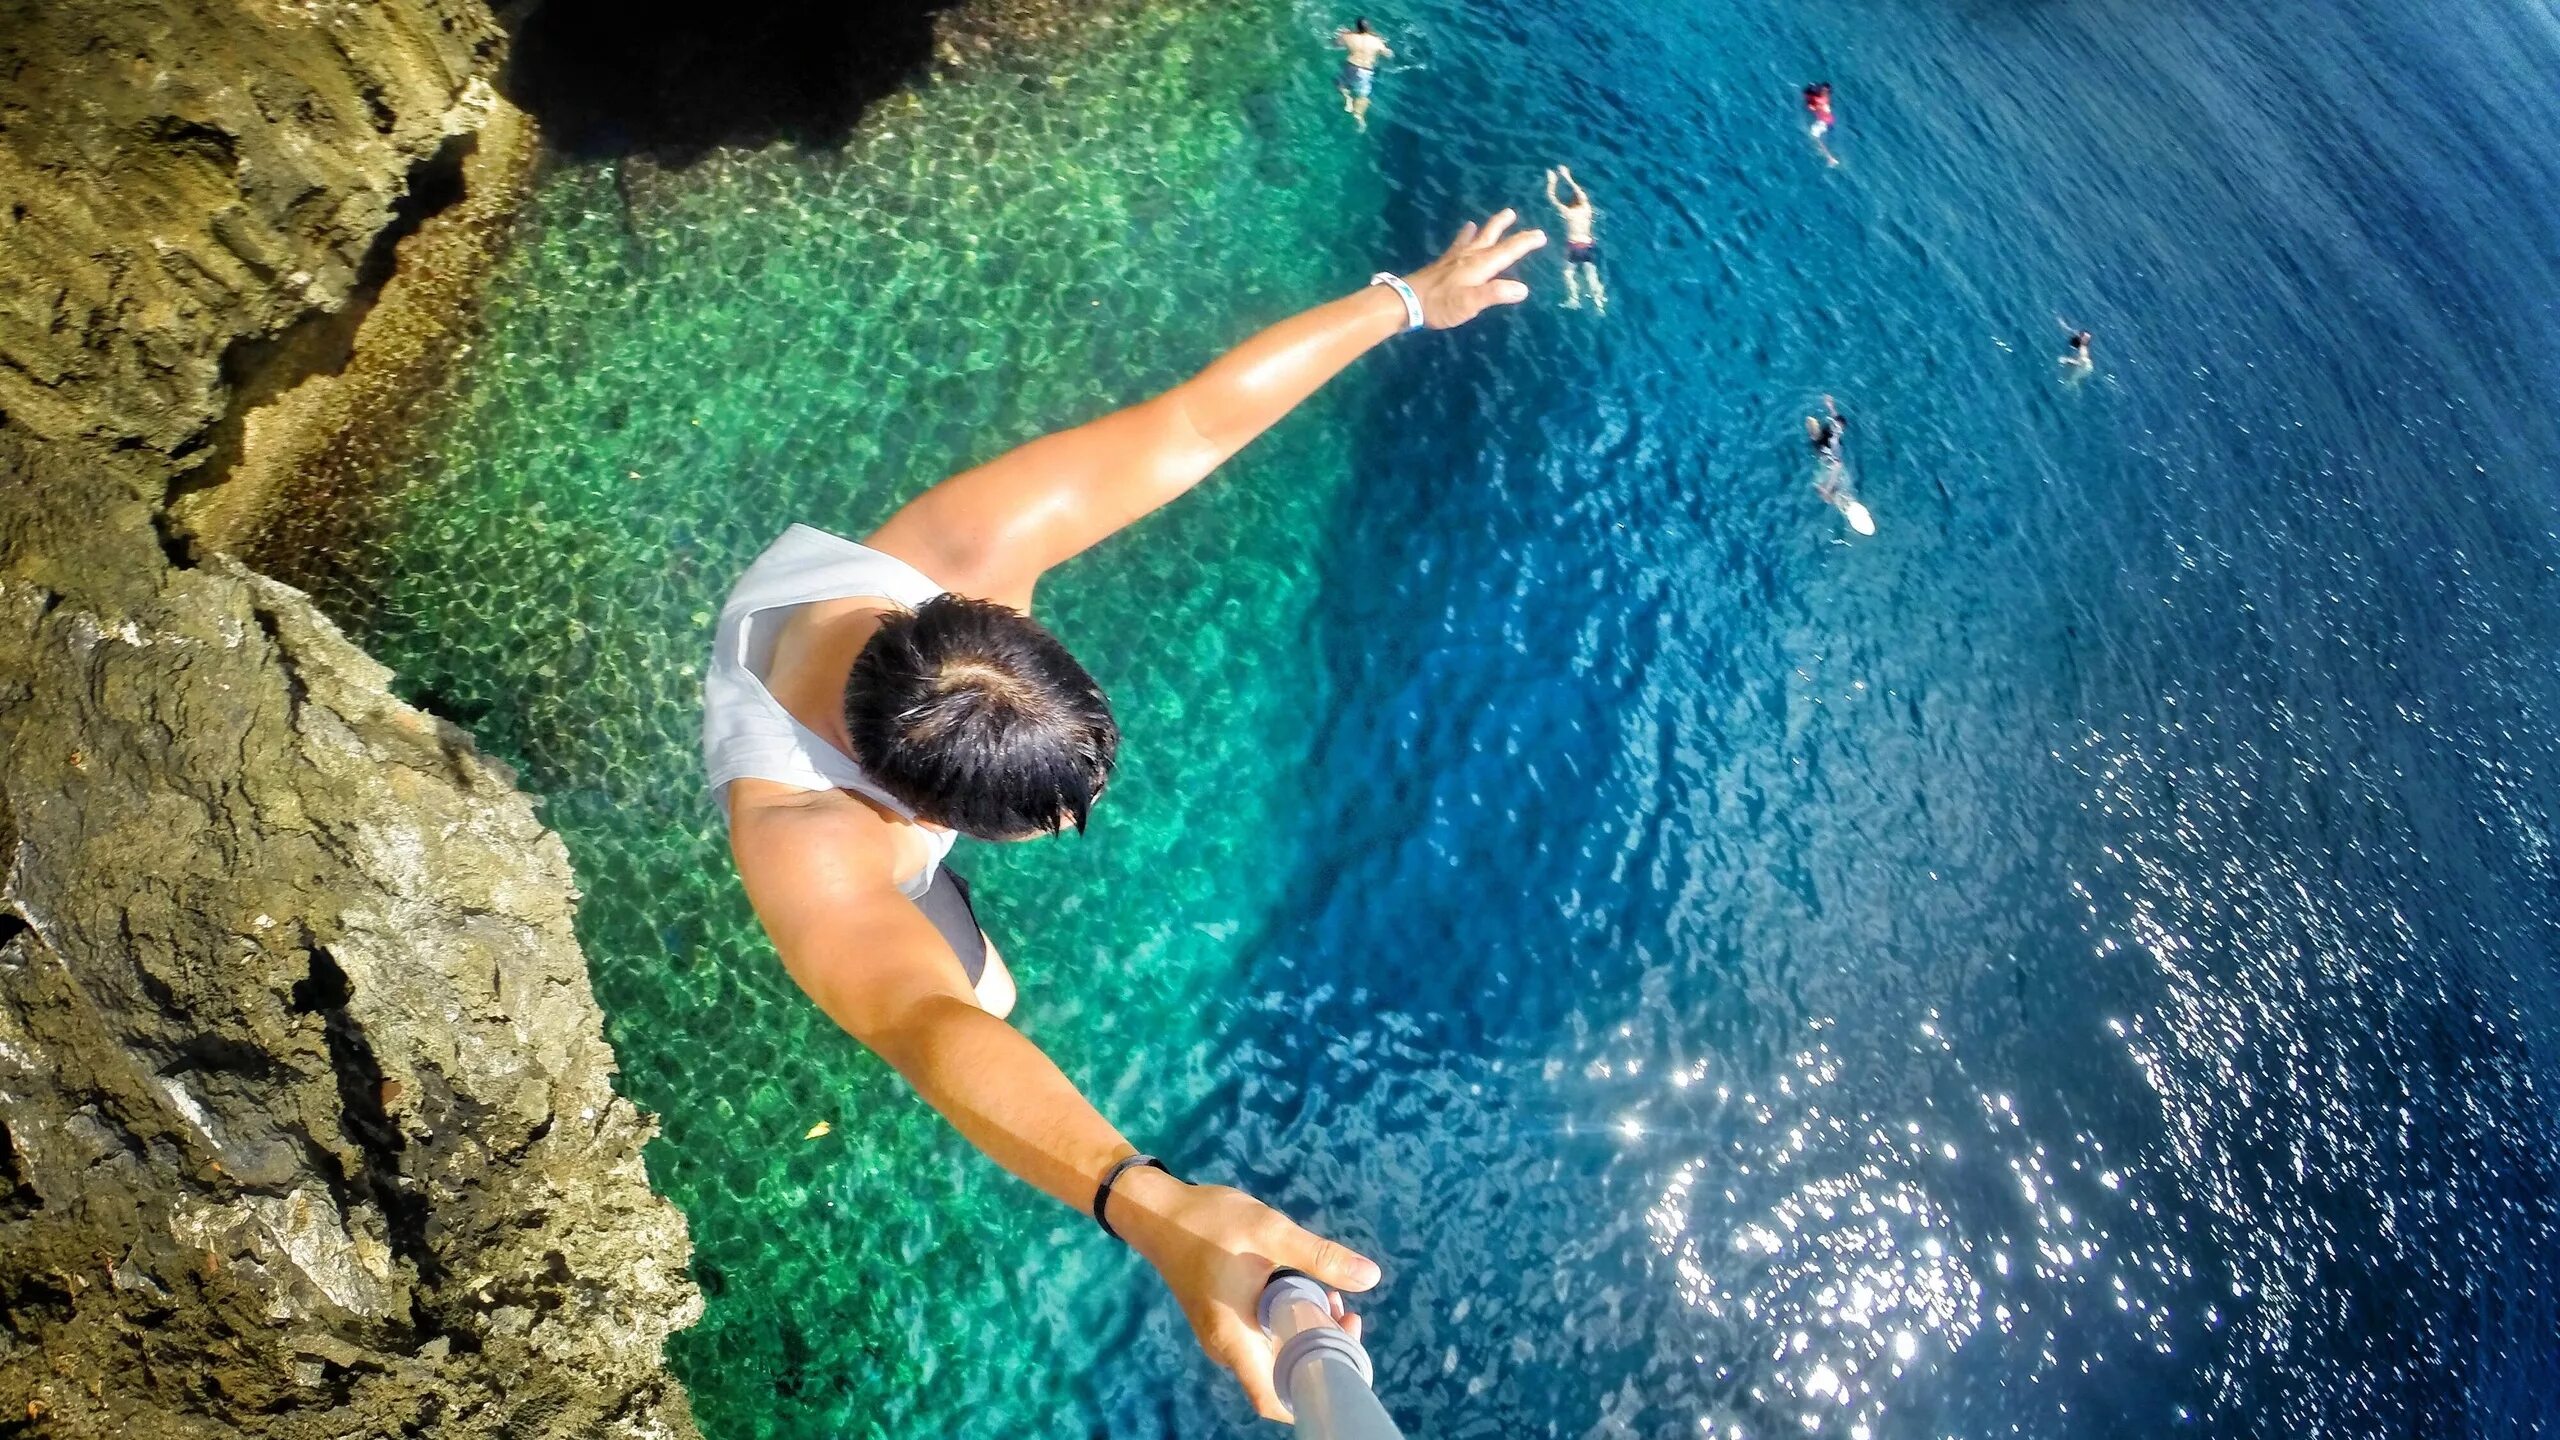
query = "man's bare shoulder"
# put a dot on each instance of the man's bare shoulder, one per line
(777, 829)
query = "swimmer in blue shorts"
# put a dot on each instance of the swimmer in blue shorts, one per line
(1359, 68)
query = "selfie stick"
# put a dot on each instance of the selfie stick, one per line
(1321, 1373)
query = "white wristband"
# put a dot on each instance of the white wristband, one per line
(1412, 302)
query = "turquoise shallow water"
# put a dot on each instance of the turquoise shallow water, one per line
(2077, 963)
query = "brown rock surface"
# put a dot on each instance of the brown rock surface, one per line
(306, 1126)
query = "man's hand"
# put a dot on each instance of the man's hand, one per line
(1215, 1248)
(1460, 285)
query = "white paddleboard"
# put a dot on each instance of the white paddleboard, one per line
(1859, 519)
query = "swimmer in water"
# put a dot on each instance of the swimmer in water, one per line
(1359, 68)
(1817, 103)
(2077, 359)
(1825, 431)
(1581, 247)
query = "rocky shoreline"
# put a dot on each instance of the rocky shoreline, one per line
(306, 1115)
(294, 482)
(307, 1121)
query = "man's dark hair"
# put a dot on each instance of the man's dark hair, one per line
(1361, 24)
(973, 716)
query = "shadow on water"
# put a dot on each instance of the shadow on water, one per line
(674, 80)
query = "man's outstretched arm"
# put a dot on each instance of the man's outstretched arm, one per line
(877, 966)
(993, 530)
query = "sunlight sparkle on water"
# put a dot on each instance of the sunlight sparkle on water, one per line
(1831, 1235)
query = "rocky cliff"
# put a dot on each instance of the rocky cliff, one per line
(306, 1119)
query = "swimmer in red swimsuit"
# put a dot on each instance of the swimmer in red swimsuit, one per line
(1817, 100)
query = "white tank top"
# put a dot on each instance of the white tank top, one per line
(746, 734)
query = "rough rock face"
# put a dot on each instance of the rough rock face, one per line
(178, 175)
(306, 1126)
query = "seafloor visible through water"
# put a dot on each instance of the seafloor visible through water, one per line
(2080, 962)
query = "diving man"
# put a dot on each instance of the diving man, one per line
(866, 704)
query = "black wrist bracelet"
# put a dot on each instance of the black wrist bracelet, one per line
(1111, 1177)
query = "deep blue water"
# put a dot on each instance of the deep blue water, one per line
(2078, 963)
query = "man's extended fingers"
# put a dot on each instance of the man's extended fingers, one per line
(1247, 1352)
(1509, 292)
(1492, 262)
(1494, 227)
(1466, 238)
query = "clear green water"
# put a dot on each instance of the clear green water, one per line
(683, 366)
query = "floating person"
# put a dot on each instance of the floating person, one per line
(1832, 482)
(868, 703)
(1359, 68)
(1817, 102)
(2077, 359)
(1826, 432)
(1581, 246)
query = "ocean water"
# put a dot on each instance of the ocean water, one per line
(2078, 962)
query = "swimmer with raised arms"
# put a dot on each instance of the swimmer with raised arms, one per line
(1581, 242)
